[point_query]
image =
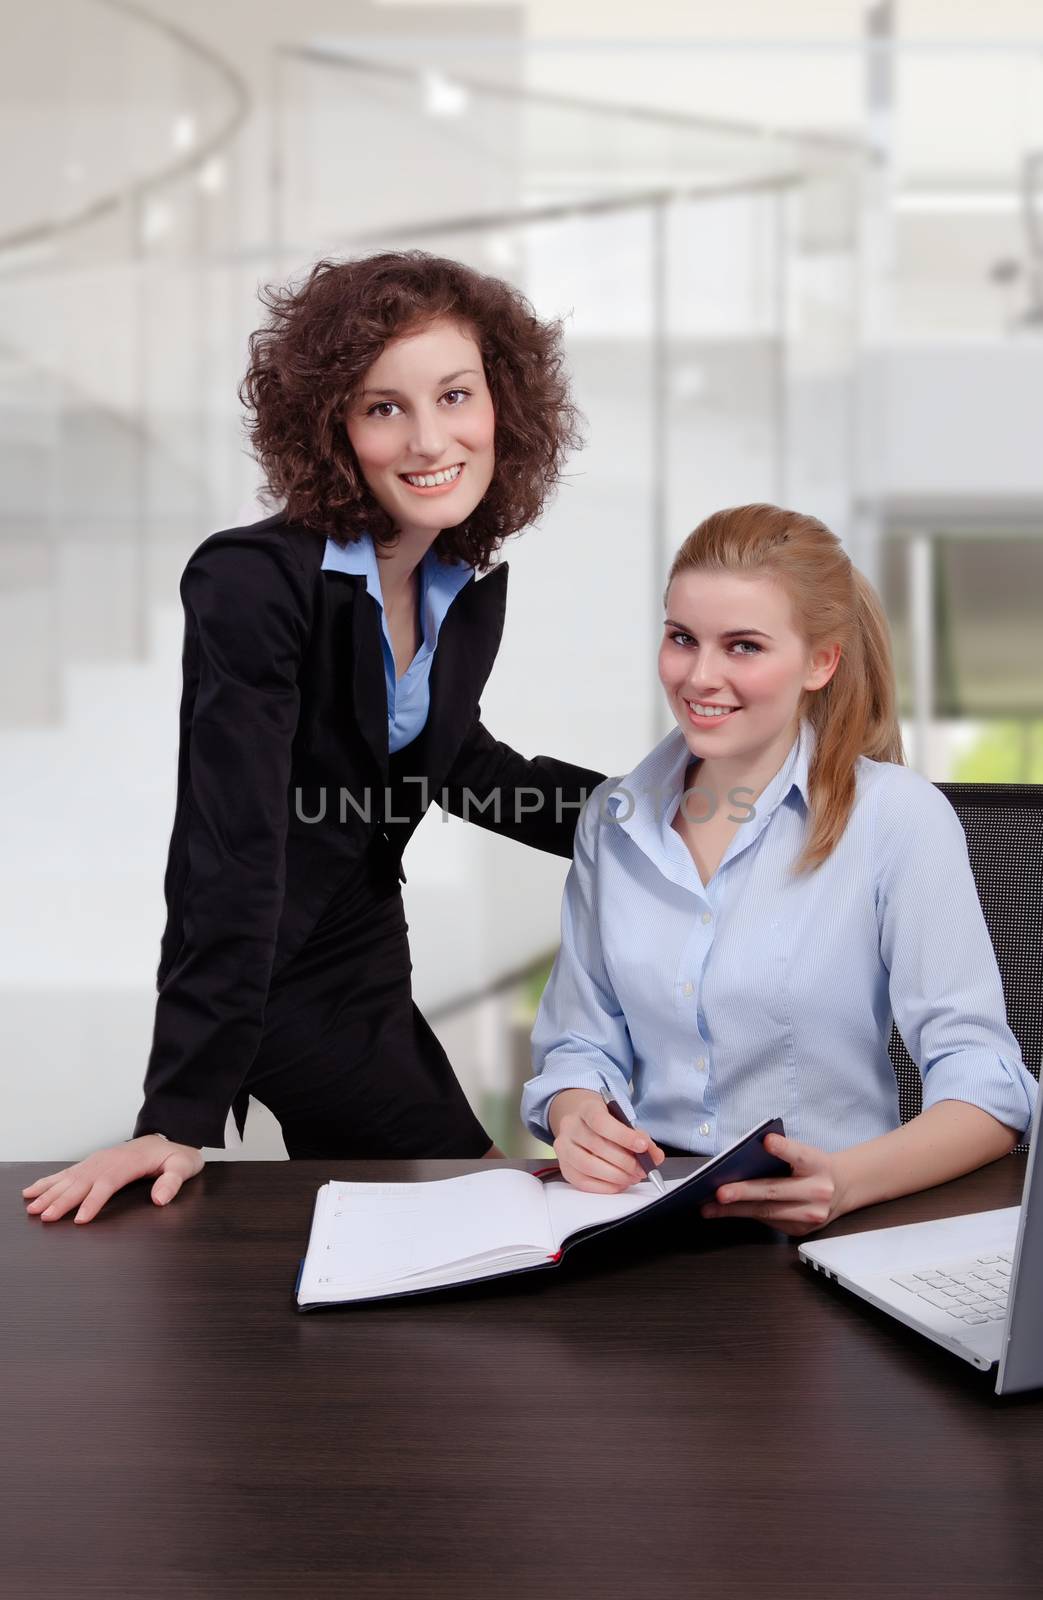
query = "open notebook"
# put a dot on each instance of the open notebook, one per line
(376, 1241)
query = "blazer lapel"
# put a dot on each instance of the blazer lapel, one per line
(369, 686)
(467, 645)
(356, 657)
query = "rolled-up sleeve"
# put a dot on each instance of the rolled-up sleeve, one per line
(945, 988)
(580, 1040)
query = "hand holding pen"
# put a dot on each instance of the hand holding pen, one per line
(597, 1148)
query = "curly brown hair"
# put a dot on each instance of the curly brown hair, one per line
(323, 336)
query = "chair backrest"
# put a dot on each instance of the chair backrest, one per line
(1004, 827)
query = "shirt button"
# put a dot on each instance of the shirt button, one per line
(707, 917)
(704, 1127)
(687, 989)
(701, 1063)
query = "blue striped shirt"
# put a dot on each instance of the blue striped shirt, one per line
(408, 697)
(705, 1009)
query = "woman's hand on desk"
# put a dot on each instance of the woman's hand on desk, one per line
(807, 1200)
(93, 1181)
(594, 1151)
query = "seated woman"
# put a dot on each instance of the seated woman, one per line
(749, 908)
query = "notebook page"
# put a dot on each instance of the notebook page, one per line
(379, 1233)
(571, 1209)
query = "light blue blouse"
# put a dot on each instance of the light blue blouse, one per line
(408, 697)
(705, 1009)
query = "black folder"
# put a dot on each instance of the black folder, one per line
(367, 1208)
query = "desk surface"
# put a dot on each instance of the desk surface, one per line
(707, 1419)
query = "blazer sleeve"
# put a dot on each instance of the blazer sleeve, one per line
(246, 623)
(535, 801)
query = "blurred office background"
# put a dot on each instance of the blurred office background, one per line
(799, 250)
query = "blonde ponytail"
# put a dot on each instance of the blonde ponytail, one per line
(854, 714)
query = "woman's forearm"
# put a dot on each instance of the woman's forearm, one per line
(943, 1142)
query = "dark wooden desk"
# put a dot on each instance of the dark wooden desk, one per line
(707, 1420)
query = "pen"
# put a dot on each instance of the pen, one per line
(643, 1158)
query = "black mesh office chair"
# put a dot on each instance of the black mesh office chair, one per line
(1004, 827)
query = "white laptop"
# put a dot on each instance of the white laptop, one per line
(973, 1284)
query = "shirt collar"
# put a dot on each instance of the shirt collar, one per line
(793, 774)
(358, 559)
(645, 802)
(440, 581)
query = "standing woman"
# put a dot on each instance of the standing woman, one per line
(409, 414)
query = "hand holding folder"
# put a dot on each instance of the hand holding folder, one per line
(378, 1241)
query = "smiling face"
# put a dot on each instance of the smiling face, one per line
(424, 412)
(730, 641)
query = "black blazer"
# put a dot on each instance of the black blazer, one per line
(284, 706)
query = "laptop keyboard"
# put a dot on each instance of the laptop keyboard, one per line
(970, 1291)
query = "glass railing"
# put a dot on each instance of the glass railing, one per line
(121, 191)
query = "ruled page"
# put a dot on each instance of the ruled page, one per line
(377, 1234)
